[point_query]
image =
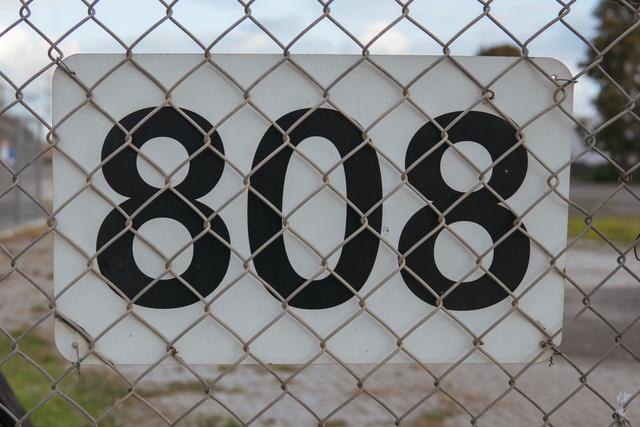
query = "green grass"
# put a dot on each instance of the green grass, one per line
(93, 391)
(436, 417)
(432, 418)
(287, 369)
(623, 230)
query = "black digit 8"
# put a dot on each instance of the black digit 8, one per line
(511, 255)
(210, 256)
(364, 190)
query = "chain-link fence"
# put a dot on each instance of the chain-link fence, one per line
(591, 378)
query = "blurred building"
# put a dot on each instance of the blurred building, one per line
(18, 141)
(20, 144)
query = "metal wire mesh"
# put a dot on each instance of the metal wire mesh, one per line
(600, 355)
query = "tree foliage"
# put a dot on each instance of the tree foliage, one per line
(500, 50)
(620, 81)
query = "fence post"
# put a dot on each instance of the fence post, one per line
(9, 400)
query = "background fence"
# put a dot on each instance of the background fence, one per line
(594, 375)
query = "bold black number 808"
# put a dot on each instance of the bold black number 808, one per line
(211, 242)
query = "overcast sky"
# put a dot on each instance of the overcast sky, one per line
(23, 52)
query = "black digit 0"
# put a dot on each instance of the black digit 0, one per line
(210, 257)
(511, 256)
(364, 190)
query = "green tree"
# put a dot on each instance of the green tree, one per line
(500, 50)
(620, 79)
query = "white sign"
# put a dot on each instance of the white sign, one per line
(209, 291)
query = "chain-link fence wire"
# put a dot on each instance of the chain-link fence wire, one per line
(25, 145)
(592, 378)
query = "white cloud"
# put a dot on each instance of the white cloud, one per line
(393, 40)
(23, 52)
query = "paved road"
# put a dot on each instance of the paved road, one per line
(624, 202)
(617, 299)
